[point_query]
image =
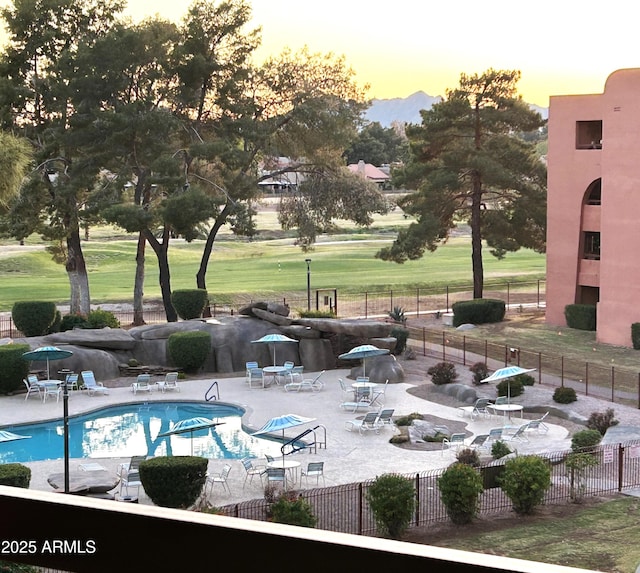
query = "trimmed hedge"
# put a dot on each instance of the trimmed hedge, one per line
(102, 319)
(478, 311)
(580, 316)
(13, 367)
(189, 350)
(33, 318)
(173, 481)
(189, 303)
(15, 475)
(635, 335)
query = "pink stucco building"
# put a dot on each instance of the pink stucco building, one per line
(593, 214)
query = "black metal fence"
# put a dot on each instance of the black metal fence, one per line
(344, 508)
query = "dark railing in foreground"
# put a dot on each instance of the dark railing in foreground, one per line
(78, 534)
(344, 508)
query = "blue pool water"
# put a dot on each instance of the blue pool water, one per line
(132, 429)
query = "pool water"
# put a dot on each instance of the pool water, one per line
(133, 429)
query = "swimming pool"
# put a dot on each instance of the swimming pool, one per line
(133, 429)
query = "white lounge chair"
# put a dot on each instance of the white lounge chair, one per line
(170, 382)
(90, 385)
(370, 423)
(314, 384)
(453, 442)
(478, 409)
(142, 384)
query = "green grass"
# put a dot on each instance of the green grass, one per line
(597, 537)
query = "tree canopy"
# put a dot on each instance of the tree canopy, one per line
(468, 165)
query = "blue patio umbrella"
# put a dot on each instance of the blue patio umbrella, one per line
(274, 339)
(362, 352)
(281, 423)
(505, 374)
(6, 436)
(189, 426)
(47, 353)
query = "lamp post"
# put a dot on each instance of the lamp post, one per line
(308, 261)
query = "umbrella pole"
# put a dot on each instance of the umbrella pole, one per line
(65, 415)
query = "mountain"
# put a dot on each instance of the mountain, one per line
(407, 110)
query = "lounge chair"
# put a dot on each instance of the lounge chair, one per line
(90, 385)
(314, 469)
(480, 442)
(369, 423)
(142, 384)
(170, 382)
(453, 442)
(314, 384)
(386, 417)
(221, 478)
(519, 435)
(478, 409)
(31, 383)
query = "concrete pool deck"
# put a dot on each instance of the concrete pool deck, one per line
(348, 457)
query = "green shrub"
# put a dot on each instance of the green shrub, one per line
(132, 362)
(525, 481)
(478, 311)
(71, 321)
(443, 373)
(525, 379)
(460, 487)
(392, 500)
(13, 367)
(173, 481)
(99, 318)
(189, 303)
(297, 511)
(564, 395)
(469, 457)
(15, 475)
(189, 350)
(585, 440)
(480, 371)
(401, 335)
(398, 314)
(500, 449)
(55, 325)
(406, 420)
(602, 421)
(635, 335)
(580, 316)
(316, 313)
(33, 318)
(510, 387)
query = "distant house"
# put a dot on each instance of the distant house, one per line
(371, 172)
(279, 176)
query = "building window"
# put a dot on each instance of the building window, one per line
(591, 246)
(589, 134)
(595, 193)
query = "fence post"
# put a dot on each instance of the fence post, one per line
(391, 299)
(366, 304)
(538, 296)
(620, 465)
(486, 350)
(424, 342)
(418, 302)
(562, 371)
(464, 350)
(360, 508)
(508, 292)
(447, 299)
(586, 380)
(444, 347)
(417, 516)
(639, 390)
(613, 383)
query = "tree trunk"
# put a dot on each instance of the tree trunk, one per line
(80, 300)
(201, 275)
(476, 237)
(138, 286)
(161, 250)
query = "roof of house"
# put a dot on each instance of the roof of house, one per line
(369, 171)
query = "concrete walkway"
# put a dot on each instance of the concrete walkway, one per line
(349, 456)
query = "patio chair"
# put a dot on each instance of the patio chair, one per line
(495, 434)
(369, 423)
(480, 442)
(453, 442)
(314, 469)
(142, 384)
(170, 382)
(249, 366)
(73, 381)
(478, 409)
(519, 435)
(90, 385)
(51, 388)
(255, 376)
(379, 392)
(251, 471)
(386, 417)
(31, 383)
(275, 476)
(221, 478)
(129, 474)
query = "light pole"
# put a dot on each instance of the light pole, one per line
(308, 261)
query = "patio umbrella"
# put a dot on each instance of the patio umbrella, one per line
(10, 436)
(281, 423)
(47, 353)
(505, 374)
(274, 339)
(189, 426)
(362, 352)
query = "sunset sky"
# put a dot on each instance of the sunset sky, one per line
(399, 47)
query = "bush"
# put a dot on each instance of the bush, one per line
(500, 449)
(102, 319)
(173, 481)
(460, 487)
(189, 303)
(316, 313)
(564, 395)
(443, 373)
(580, 316)
(13, 367)
(392, 500)
(407, 420)
(525, 379)
(480, 371)
(469, 457)
(71, 321)
(478, 311)
(635, 335)
(33, 318)
(577, 466)
(296, 511)
(585, 440)
(15, 475)
(401, 335)
(602, 421)
(55, 325)
(398, 314)
(189, 350)
(525, 481)
(510, 387)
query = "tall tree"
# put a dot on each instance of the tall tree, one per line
(378, 145)
(467, 164)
